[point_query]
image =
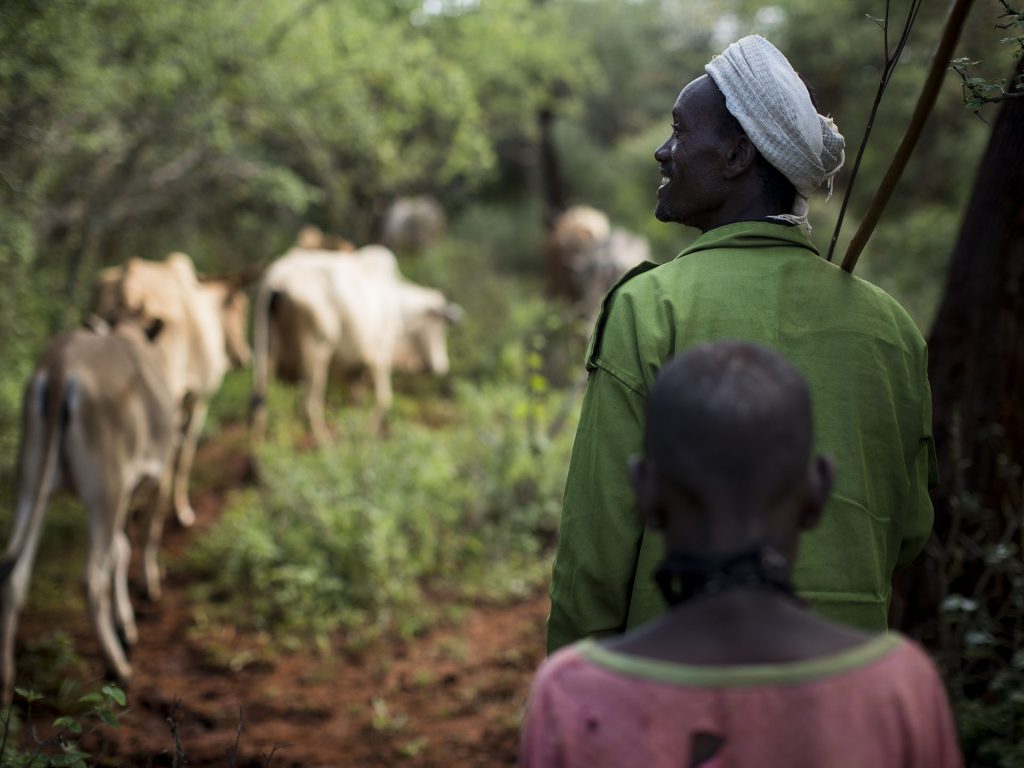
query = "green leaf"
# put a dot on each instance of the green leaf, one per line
(115, 693)
(93, 699)
(68, 723)
(28, 694)
(72, 758)
(108, 717)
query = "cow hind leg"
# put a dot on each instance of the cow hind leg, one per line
(124, 614)
(383, 395)
(183, 466)
(99, 573)
(153, 529)
(317, 362)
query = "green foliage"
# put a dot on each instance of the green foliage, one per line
(21, 744)
(931, 230)
(231, 403)
(219, 129)
(51, 665)
(981, 639)
(979, 90)
(352, 536)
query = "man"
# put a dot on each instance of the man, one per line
(747, 149)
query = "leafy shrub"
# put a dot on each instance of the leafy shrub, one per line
(24, 743)
(231, 403)
(355, 535)
(981, 633)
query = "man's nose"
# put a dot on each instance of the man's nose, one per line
(661, 153)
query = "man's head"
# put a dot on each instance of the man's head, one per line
(728, 452)
(747, 142)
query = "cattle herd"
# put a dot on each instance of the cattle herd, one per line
(114, 409)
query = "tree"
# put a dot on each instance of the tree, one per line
(977, 370)
(964, 597)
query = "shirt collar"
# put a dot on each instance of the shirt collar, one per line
(751, 234)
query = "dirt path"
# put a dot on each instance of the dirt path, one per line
(450, 698)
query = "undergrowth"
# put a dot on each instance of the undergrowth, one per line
(355, 536)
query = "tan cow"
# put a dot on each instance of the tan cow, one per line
(316, 310)
(314, 238)
(585, 256)
(204, 330)
(572, 233)
(232, 306)
(97, 419)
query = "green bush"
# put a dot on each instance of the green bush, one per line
(358, 533)
(231, 403)
(981, 634)
(21, 744)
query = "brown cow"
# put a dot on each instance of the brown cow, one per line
(97, 419)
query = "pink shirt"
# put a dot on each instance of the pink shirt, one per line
(876, 705)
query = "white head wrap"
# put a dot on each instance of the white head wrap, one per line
(771, 103)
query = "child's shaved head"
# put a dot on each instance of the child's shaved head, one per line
(729, 427)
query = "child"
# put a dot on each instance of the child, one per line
(739, 672)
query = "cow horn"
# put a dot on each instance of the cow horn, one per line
(452, 312)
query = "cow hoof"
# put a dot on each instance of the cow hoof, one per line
(128, 636)
(123, 677)
(186, 516)
(153, 589)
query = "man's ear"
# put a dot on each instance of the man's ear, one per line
(821, 477)
(641, 475)
(740, 156)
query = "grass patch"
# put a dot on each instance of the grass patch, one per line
(354, 536)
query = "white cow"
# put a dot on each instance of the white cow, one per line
(317, 309)
(204, 331)
(97, 419)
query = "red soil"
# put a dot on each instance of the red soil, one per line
(452, 697)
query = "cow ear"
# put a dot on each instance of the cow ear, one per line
(452, 312)
(153, 329)
(231, 292)
(183, 265)
(96, 324)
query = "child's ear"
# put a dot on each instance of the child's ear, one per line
(822, 475)
(641, 474)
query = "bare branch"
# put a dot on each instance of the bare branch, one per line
(891, 60)
(273, 751)
(950, 36)
(180, 759)
(233, 751)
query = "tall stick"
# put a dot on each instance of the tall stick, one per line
(925, 102)
(892, 58)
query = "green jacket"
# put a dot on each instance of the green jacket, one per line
(866, 364)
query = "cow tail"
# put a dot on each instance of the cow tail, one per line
(49, 408)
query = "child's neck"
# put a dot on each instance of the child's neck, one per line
(739, 626)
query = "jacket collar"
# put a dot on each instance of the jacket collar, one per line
(751, 234)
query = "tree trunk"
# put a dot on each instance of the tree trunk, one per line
(551, 180)
(976, 369)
